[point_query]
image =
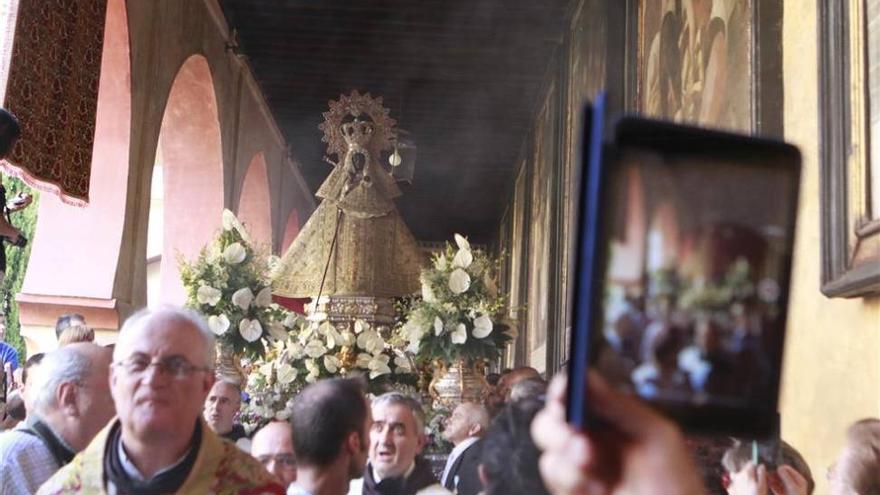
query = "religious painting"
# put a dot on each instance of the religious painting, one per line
(849, 113)
(516, 257)
(539, 304)
(695, 63)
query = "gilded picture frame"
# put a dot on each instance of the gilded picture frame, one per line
(850, 229)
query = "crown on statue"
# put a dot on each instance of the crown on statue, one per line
(367, 112)
(358, 133)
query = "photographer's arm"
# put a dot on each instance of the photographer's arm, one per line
(641, 451)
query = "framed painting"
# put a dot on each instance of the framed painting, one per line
(849, 116)
(714, 63)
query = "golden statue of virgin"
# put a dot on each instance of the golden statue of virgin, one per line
(355, 245)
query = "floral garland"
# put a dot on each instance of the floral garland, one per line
(460, 314)
(229, 283)
(313, 351)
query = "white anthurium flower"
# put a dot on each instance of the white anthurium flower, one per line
(441, 262)
(296, 350)
(286, 373)
(266, 368)
(427, 293)
(250, 330)
(229, 220)
(218, 324)
(264, 297)
(363, 360)
(290, 320)
(243, 298)
(462, 243)
(277, 331)
(314, 371)
(459, 335)
(332, 363)
(379, 365)
(403, 365)
(459, 281)
(370, 341)
(347, 339)
(360, 326)
(315, 349)
(438, 326)
(463, 259)
(482, 327)
(208, 295)
(234, 253)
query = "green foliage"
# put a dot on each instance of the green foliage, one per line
(17, 260)
(229, 284)
(461, 314)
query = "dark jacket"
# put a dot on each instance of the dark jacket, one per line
(465, 468)
(421, 477)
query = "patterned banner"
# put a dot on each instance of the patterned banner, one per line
(53, 91)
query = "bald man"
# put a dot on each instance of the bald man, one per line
(273, 447)
(465, 427)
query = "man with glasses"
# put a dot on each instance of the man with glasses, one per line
(71, 402)
(161, 374)
(273, 447)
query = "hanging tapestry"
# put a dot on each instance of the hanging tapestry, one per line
(53, 91)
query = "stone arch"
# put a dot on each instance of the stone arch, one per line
(291, 229)
(254, 202)
(189, 158)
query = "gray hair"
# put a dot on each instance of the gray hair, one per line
(138, 320)
(397, 398)
(477, 414)
(64, 365)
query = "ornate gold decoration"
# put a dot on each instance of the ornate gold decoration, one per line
(458, 383)
(228, 365)
(356, 236)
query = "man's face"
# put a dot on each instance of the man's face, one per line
(458, 425)
(95, 401)
(273, 447)
(221, 406)
(394, 440)
(150, 399)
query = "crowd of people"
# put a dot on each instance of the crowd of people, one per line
(148, 416)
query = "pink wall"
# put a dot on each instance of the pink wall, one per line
(190, 152)
(83, 243)
(254, 208)
(290, 230)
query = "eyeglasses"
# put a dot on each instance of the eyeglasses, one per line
(287, 460)
(177, 367)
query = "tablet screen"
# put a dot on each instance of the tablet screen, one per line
(697, 253)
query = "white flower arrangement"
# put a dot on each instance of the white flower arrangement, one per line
(229, 284)
(313, 351)
(460, 312)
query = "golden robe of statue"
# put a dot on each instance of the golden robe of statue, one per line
(356, 234)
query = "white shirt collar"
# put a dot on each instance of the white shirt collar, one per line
(132, 470)
(409, 470)
(455, 454)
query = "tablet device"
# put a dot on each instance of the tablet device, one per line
(685, 241)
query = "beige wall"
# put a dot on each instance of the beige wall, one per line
(832, 359)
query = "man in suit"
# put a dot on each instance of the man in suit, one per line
(464, 428)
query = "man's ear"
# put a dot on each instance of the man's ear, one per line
(475, 430)
(65, 397)
(353, 443)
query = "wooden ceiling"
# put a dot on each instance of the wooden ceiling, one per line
(462, 76)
